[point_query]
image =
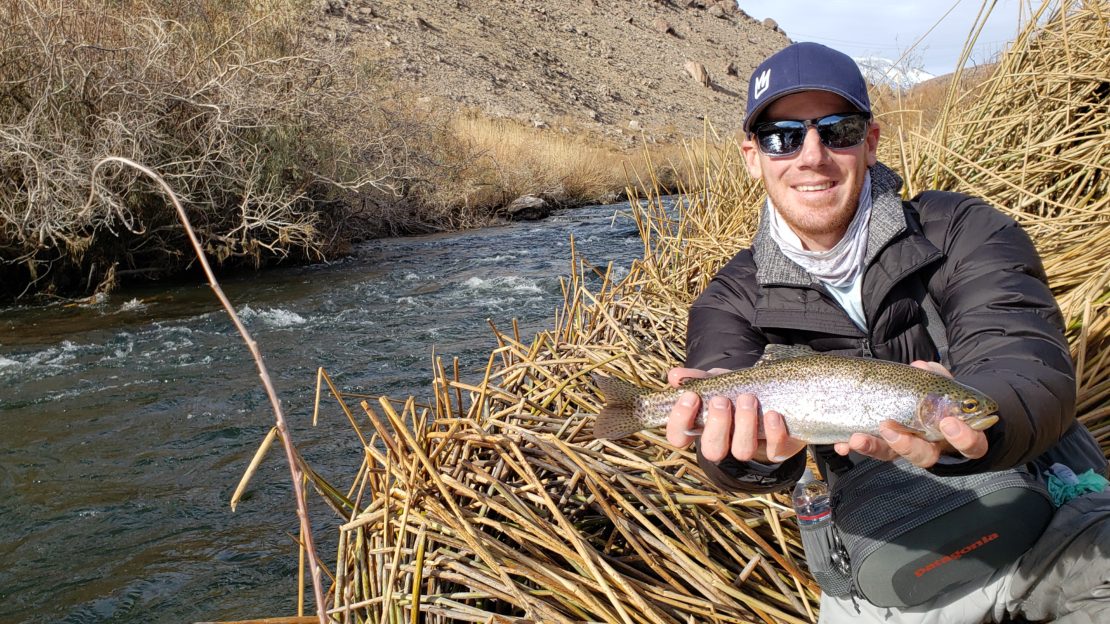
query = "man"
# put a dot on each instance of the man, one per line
(841, 264)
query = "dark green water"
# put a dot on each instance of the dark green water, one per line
(127, 423)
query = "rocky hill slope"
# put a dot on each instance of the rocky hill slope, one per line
(618, 67)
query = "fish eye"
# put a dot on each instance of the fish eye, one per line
(969, 405)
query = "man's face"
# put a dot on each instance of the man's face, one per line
(816, 189)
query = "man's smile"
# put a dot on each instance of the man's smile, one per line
(807, 188)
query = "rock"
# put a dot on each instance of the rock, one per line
(528, 208)
(634, 124)
(698, 72)
(771, 24)
(731, 70)
(336, 7)
(728, 7)
(610, 197)
(717, 11)
(663, 27)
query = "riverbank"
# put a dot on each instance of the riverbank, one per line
(290, 131)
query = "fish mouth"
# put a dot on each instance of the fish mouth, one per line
(982, 422)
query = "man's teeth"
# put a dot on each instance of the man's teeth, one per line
(814, 187)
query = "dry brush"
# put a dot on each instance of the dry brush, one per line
(258, 136)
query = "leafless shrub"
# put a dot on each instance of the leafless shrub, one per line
(255, 143)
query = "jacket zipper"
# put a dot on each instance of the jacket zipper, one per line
(865, 345)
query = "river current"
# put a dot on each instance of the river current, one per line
(126, 423)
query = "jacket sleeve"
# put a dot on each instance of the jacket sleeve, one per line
(719, 335)
(1006, 334)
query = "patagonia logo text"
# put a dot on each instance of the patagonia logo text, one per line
(986, 539)
(762, 81)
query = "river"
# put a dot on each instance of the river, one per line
(127, 422)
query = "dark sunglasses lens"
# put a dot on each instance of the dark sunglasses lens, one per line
(780, 137)
(839, 132)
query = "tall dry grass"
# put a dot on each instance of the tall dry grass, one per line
(493, 503)
(502, 159)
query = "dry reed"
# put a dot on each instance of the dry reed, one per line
(493, 503)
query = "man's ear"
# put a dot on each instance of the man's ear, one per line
(751, 158)
(873, 131)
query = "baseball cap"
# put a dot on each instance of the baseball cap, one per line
(805, 67)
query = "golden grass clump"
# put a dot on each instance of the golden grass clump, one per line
(493, 503)
(485, 163)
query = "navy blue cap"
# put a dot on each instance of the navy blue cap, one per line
(805, 67)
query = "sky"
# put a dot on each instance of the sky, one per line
(887, 28)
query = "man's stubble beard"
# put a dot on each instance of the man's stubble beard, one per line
(838, 226)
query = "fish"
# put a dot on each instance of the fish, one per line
(824, 398)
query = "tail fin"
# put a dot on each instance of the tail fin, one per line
(618, 418)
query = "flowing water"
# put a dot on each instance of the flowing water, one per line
(127, 423)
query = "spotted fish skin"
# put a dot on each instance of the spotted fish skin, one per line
(823, 398)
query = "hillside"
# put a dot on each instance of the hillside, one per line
(610, 67)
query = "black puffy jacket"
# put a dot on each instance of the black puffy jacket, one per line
(1004, 328)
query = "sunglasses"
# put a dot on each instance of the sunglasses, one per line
(786, 136)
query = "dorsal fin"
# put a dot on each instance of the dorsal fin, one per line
(776, 352)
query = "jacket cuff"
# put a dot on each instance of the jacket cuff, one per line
(753, 477)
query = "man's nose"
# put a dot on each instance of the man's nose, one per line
(813, 151)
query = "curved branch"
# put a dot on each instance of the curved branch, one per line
(286, 440)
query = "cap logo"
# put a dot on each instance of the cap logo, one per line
(762, 81)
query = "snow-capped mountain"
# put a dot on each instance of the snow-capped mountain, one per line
(882, 71)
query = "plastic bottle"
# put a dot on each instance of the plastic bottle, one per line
(825, 555)
(811, 502)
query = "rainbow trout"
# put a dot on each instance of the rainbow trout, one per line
(824, 398)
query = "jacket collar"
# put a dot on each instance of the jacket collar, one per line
(888, 220)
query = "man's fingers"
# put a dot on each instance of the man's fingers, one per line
(868, 445)
(965, 440)
(932, 367)
(745, 429)
(682, 418)
(780, 446)
(716, 436)
(676, 376)
(917, 451)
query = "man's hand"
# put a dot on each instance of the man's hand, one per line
(730, 426)
(960, 439)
